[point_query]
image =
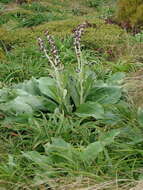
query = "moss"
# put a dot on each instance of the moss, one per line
(15, 39)
(5, 38)
(2, 54)
(130, 11)
(137, 18)
(108, 39)
(63, 28)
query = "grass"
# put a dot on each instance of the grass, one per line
(6, 1)
(93, 139)
(36, 133)
(39, 18)
(35, 6)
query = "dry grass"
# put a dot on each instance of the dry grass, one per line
(134, 84)
(89, 184)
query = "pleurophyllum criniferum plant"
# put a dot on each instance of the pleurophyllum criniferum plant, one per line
(68, 91)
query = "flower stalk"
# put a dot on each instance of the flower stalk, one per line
(54, 61)
(78, 32)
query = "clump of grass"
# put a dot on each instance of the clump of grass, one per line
(39, 18)
(94, 3)
(3, 20)
(18, 15)
(35, 6)
(6, 1)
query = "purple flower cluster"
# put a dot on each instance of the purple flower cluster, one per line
(53, 49)
(78, 32)
(54, 56)
(41, 44)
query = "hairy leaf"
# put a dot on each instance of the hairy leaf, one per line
(90, 109)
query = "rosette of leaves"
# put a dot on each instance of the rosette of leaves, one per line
(43, 94)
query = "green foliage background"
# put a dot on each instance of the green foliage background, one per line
(130, 11)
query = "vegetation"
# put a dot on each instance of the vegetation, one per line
(71, 114)
(130, 12)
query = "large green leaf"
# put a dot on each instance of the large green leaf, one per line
(73, 91)
(37, 158)
(90, 78)
(59, 150)
(109, 137)
(57, 143)
(105, 94)
(90, 109)
(93, 149)
(27, 97)
(7, 95)
(48, 87)
(111, 118)
(31, 87)
(116, 78)
(17, 106)
(45, 166)
(27, 103)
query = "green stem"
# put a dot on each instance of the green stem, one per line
(59, 83)
(81, 78)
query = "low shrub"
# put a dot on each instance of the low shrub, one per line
(107, 39)
(130, 12)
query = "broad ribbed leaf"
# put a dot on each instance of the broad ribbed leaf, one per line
(73, 92)
(37, 158)
(116, 78)
(27, 103)
(90, 109)
(109, 137)
(92, 151)
(17, 106)
(59, 150)
(105, 94)
(47, 87)
(30, 87)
